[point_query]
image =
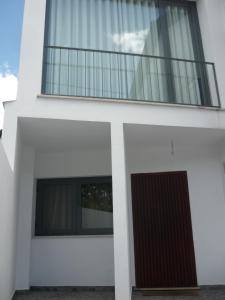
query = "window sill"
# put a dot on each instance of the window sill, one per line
(72, 236)
(124, 101)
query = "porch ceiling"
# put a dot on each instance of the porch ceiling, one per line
(50, 135)
(53, 135)
(161, 136)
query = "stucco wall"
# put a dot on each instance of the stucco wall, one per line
(25, 207)
(30, 105)
(8, 222)
(7, 226)
(211, 19)
(75, 261)
(207, 199)
(206, 189)
(89, 260)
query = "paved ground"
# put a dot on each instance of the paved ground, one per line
(216, 293)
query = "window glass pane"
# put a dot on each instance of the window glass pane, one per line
(138, 26)
(167, 29)
(56, 210)
(96, 205)
(72, 206)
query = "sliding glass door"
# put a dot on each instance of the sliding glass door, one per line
(125, 49)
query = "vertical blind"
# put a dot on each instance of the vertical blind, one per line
(146, 27)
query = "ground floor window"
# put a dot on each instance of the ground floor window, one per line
(74, 206)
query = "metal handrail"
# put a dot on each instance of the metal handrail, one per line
(131, 54)
(203, 88)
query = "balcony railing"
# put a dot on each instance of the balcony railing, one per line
(115, 75)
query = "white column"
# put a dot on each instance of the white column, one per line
(211, 18)
(24, 227)
(120, 214)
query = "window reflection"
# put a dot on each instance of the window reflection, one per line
(96, 204)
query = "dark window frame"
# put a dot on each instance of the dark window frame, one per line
(76, 229)
(203, 80)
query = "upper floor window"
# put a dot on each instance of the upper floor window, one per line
(161, 28)
(131, 49)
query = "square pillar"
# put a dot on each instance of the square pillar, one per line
(120, 214)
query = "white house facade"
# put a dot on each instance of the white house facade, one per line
(112, 157)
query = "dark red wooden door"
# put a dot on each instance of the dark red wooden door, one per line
(163, 241)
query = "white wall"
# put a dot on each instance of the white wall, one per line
(30, 105)
(9, 136)
(89, 260)
(86, 163)
(207, 176)
(72, 261)
(206, 188)
(25, 208)
(211, 18)
(31, 51)
(7, 226)
(8, 221)
(76, 261)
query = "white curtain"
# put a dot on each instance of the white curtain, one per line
(145, 27)
(185, 75)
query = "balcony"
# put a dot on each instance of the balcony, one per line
(125, 76)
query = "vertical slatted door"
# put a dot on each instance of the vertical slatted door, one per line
(163, 240)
